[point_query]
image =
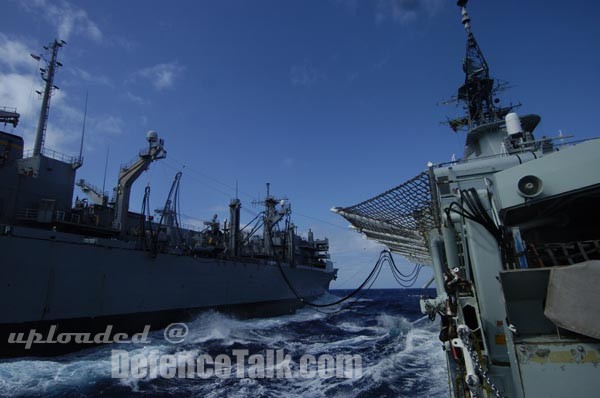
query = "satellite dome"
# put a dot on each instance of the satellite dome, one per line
(152, 136)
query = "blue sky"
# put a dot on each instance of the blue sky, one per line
(331, 101)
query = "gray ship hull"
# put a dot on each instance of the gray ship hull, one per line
(50, 278)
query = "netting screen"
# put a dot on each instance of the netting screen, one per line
(399, 218)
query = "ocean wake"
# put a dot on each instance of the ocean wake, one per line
(399, 358)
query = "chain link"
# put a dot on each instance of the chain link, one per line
(464, 336)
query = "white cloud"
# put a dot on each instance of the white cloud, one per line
(16, 92)
(58, 138)
(122, 42)
(162, 76)
(83, 75)
(66, 123)
(136, 99)
(70, 20)
(405, 11)
(66, 18)
(108, 125)
(304, 75)
(354, 256)
(351, 253)
(15, 54)
(63, 133)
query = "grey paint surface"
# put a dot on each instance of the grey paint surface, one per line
(49, 279)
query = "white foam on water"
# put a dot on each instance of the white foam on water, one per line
(38, 377)
(228, 330)
(419, 360)
(416, 363)
(70, 372)
(210, 320)
(407, 356)
(394, 324)
(355, 328)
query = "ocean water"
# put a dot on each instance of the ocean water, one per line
(401, 355)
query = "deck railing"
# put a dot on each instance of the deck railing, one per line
(52, 154)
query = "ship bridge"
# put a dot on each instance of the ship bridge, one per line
(399, 218)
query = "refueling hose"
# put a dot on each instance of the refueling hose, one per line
(385, 256)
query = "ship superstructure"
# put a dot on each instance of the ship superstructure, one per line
(86, 265)
(511, 231)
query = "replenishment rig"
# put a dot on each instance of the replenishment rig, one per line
(512, 233)
(81, 265)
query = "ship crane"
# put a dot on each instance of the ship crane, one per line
(94, 193)
(129, 173)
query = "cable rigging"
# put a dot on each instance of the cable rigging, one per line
(385, 256)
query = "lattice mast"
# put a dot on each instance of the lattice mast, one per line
(48, 76)
(478, 92)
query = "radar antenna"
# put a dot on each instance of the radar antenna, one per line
(477, 94)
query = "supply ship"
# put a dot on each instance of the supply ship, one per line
(512, 233)
(80, 267)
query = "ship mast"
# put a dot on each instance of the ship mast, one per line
(271, 216)
(477, 94)
(48, 76)
(270, 219)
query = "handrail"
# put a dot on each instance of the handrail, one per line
(27, 214)
(52, 154)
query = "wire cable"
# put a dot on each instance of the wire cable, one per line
(384, 256)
